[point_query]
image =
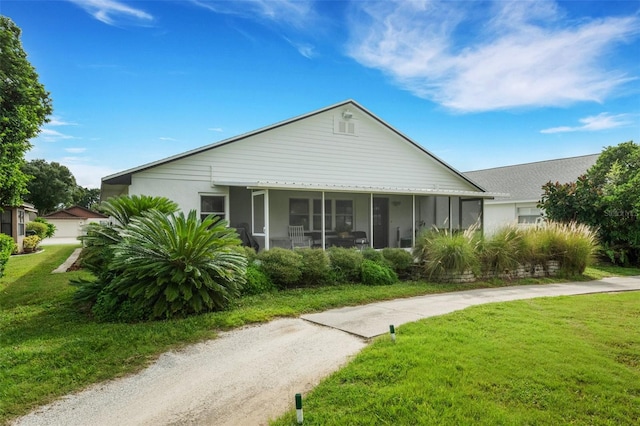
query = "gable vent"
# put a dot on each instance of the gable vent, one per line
(344, 127)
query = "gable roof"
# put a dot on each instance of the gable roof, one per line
(523, 182)
(75, 212)
(124, 177)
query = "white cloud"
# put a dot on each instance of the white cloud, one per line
(113, 12)
(50, 135)
(215, 129)
(470, 57)
(305, 49)
(594, 123)
(75, 150)
(57, 121)
(287, 12)
(164, 138)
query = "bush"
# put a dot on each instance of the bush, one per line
(369, 253)
(250, 253)
(38, 228)
(375, 273)
(504, 251)
(256, 281)
(400, 260)
(441, 252)
(575, 246)
(51, 228)
(178, 265)
(111, 307)
(315, 267)
(31, 242)
(7, 246)
(282, 266)
(346, 264)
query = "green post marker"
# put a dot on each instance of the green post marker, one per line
(299, 415)
(392, 331)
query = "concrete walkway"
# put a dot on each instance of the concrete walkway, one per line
(250, 375)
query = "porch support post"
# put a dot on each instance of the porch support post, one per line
(323, 232)
(413, 220)
(266, 219)
(450, 216)
(371, 219)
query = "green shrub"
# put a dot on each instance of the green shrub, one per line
(250, 253)
(256, 282)
(178, 265)
(315, 267)
(111, 307)
(31, 242)
(7, 246)
(376, 273)
(51, 228)
(369, 253)
(503, 251)
(441, 252)
(575, 245)
(40, 229)
(346, 264)
(400, 260)
(282, 266)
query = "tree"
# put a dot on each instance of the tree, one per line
(86, 197)
(606, 197)
(52, 185)
(24, 107)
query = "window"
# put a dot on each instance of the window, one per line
(20, 222)
(344, 213)
(212, 204)
(528, 215)
(299, 212)
(317, 215)
(7, 227)
(308, 212)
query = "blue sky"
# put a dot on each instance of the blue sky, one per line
(478, 83)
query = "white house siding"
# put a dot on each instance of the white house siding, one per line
(499, 215)
(307, 151)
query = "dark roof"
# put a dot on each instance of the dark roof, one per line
(124, 177)
(523, 182)
(75, 212)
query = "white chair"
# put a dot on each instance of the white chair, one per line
(297, 237)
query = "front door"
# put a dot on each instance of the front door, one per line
(380, 222)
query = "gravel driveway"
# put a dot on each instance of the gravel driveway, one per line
(246, 376)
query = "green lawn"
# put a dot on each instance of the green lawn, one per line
(48, 349)
(551, 361)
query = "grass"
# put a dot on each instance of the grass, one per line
(49, 349)
(563, 360)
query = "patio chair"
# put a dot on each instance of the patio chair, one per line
(297, 237)
(360, 239)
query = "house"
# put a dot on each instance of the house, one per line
(70, 222)
(14, 221)
(523, 184)
(338, 167)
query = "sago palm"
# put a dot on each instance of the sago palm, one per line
(176, 265)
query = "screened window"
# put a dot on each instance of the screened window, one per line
(20, 222)
(344, 213)
(299, 212)
(528, 214)
(317, 215)
(212, 204)
(6, 223)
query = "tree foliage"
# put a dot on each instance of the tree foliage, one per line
(607, 197)
(86, 197)
(52, 186)
(24, 107)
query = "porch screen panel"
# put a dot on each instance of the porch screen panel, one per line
(471, 213)
(442, 212)
(259, 223)
(299, 212)
(317, 215)
(344, 213)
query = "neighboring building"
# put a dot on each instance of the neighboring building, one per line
(340, 165)
(70, 222)
(523, 183)
(14, 222)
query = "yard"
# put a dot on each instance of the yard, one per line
(48, 348)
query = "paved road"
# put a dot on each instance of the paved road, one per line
(250, 375)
